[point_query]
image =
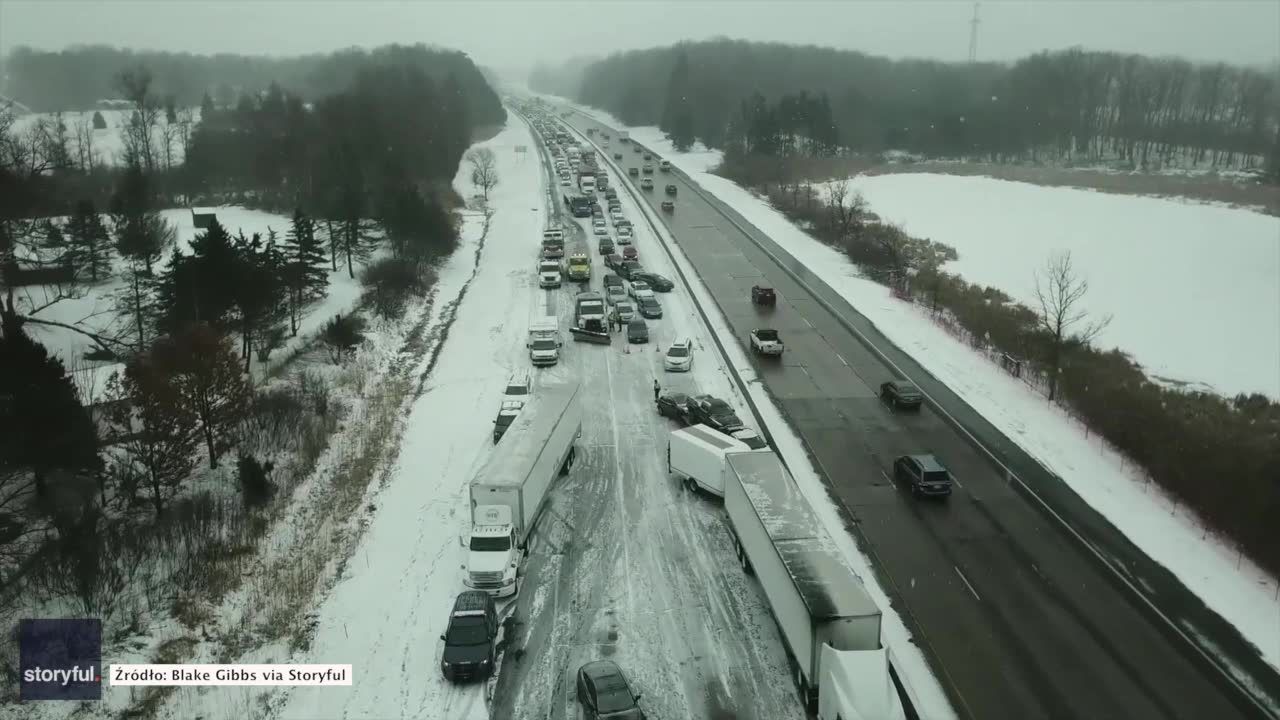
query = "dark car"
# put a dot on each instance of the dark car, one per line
(668, 206)
(628, 268)
(606, 246)
(671, 189)
(761, 295)
(617, 156)
(674, 405)
(613, 261)
(605, 693)
(714, 413)
(656, 281)
(649, 307)
(924, 474)
(611, 194)
(638, 330)
(647, 169)
(901, 394)
(636, 148)
(470, 638)
(648, 156)
(630, 253)
(633, 171)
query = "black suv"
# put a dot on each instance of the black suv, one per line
(714, 413)
(924, 473)
(470, 640)
(901, 394)
(674, 405)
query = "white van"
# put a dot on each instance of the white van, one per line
(544, 341)
(696, 457)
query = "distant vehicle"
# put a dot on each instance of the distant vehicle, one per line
(679, 357)
(633, 171)
(513, 400)
(924, 474)
(624, 311)
(761, 295)
(605, 246)
(627, 267)
(665, 166)
(564, 181)
(649, 307)
(668, 206)
(604, 135)
(656, 281)
(599, 227)
(637, 148)
(671, 189)
(615, 214)
(647, 169)
(605, 694)
(614, 281)
(637, 329)
(614, 294)
(611, 194)
(596, 213)
(470, 638)
(617, 156)
(901, 394)
(646, 184)
(766, 342)
(674, 405)
(648, 156)
(579, 205)
(698, 457)
(579, 267)
(630, 253)
(612, 261)
(624, 234)
(639, 289)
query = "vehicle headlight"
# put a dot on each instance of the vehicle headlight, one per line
(444, 664)
(484, 662)
(508, 581)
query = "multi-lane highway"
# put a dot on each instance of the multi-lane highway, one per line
(1022, 614)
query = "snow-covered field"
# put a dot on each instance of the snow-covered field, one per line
(96, 309)
(1235, 588)
(108, 143)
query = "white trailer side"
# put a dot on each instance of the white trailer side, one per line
(816, 599)
(697, 454)
(534, 450)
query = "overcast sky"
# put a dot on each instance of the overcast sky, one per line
(512, 35)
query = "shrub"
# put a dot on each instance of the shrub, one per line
(342, 335)
(255, 480)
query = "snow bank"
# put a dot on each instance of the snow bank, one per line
(1236, 589)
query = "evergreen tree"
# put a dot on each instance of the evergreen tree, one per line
(48, 433)
(200, 287)
(99, 122)
(204, 373)
(141, 234)
(677, 114)
(304, 272)
(258, 297)
(207, 109)
(88, 243)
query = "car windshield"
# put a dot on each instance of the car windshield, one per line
(648, 303)
(544, 345)
(491, 544)
(678, 351)
(467, 631)
(517, 390)
(612, 694)
(505, 420)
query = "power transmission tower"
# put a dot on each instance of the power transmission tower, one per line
(973, 35)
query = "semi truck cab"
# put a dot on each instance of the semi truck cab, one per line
(493, 555)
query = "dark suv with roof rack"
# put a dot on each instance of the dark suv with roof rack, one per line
(471, 638)
(925, 475)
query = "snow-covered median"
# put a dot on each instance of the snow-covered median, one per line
(1235, 588)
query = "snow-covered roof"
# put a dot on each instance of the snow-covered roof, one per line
(825, 583)
(524, 441)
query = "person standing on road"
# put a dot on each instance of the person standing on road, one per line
(657, 389)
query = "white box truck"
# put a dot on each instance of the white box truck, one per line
(509, 491)
(544, 341)
(698, 456)
(830, 625)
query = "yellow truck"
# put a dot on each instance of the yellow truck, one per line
(579, 267)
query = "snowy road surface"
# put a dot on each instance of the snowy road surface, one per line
(625, 564)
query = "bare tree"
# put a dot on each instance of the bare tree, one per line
(135, 85)
(1060, 292)
(847, 212)
(83, 137)
(170, 137)
(484, 170)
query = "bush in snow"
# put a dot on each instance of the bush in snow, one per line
(341, 335)
(389, 282)
(99, 122)
(255, 480)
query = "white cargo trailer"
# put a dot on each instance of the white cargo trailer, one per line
(697, 455)
(509, 491)
(816, 599)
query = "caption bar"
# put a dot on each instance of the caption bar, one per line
(322, 675)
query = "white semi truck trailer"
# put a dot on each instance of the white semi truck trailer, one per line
(830, 625)
(510, 490)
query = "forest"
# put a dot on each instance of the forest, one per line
(1072, 106)
(362, 164)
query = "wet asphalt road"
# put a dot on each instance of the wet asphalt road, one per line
(1017, 617)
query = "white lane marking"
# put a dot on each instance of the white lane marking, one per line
(966, 583)
(846, 363)
(806, 322)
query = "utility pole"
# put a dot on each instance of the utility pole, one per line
(973, 35)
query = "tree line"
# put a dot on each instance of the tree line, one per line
(1220, 456)
(1068, 106)
(78, 78)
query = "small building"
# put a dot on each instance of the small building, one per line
(202, 218)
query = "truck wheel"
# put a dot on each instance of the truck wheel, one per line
(691, 485)
(742, 558)
(807, 696)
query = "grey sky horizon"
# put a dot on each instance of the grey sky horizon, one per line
(511, 36)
